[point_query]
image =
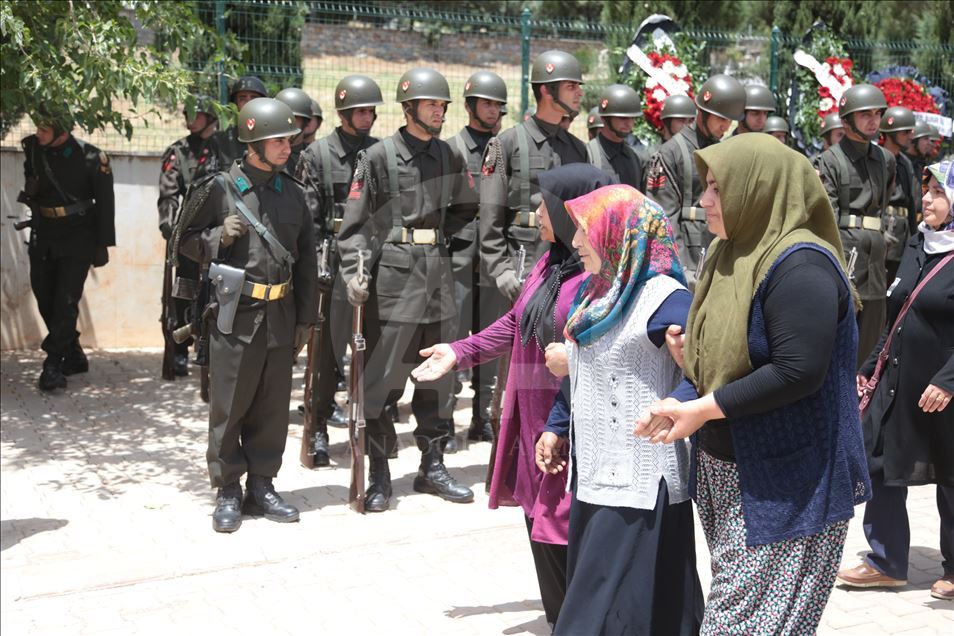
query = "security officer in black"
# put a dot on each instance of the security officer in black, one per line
(593, 123)
(673, 180)
(326, 168)
(485, 94)
(900, 217)
(858, 176)
(243, 90)
(187, 160)
(69, 188)
(619, 107)
(251, 357)
(300, 104)
(759, 104)
(677, 112)
(403, 203)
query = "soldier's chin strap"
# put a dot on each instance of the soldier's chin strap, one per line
(849, 122)
(360, 132)
(621, 135)
(704, 127)
(472, 103)
(258, 147)
(412, 111)
(554, 88)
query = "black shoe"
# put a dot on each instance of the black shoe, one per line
(480, 430)
(261, 499)
(227, 516)
(433, 478)
(181, 365)
(393, 413)
(75, 360)
(52, 376)
(450, 445)
(319, 447)
(339, 418)
(377, 497)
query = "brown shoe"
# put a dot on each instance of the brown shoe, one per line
(943, 588)
(866, 576)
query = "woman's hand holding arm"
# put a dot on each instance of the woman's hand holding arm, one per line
(669, 420)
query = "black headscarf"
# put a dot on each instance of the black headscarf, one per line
(556, 186)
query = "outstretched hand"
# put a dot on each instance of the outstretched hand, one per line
(440, 360)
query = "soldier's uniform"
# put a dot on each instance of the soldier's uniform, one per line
(230, 146)
(301, 106)
(899, 219)
(918, 163)
(71, 190)
(617, 158)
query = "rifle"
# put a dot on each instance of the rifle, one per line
(313, 368)
(197, 327)
(168, 321)
(356, 422)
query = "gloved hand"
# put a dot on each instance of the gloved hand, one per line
(509, 286)
(358, 290)
(232, 228)
(166, 230)
(302, 335)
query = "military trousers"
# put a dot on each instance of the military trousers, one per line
(250, 387)
(871, 320)
(57, 284)
(490, 304)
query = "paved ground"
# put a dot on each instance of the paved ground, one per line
(106, 529)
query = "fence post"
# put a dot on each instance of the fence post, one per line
(773, 65)
(220, 27)
(524, 61)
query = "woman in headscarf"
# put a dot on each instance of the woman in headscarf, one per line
(536, 320)
(909, 424)
(631, 554)
(771, 347)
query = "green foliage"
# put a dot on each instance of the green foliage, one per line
(271, 37)
(823, 45)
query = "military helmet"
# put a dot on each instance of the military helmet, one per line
(861, 97)
(722, 96)
(487, 85)
(831, 122)
(922, 129)
(503, 108)
(422, 83)
(774, 123)
(316, 109)
(759, 97)
(593, 120)
(357, 91)
(248, 83)
(935, 134)
(203, 104)
(555, 66)
(265, 118)
(678, 106)
(619, 100)
(897, 119)
(297, 99)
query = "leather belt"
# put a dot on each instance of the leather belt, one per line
(858, 222)
(66, 210)
(414, 236)
(896, 210)
(692, 213)
(261, 291)
(524, 218)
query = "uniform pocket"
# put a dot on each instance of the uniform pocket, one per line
(393, 272)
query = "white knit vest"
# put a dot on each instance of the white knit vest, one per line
(613, 380)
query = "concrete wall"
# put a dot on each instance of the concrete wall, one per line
(121, 303)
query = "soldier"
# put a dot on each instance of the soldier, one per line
(900, 215)
(677, 111)
(858, 176)
(673, 181)
(264, 285)
(310, 132)
(619, 107)
(300, 104)
(920, 146)
(759, 104)
(187, 160)
(593, 122)
(69, 189)
(934, 149)
(402, 200)
(326, 167)
(777, 127)
(485, 94)
(244, 90)
(832, 130)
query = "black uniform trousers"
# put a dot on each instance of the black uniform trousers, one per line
(871, 320)
(250, 389)
(489, 305)
(57, 284)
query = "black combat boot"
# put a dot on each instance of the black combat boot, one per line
(75, 360)
(450, 447)
(338, 417)
(377, 497)
(391, 408)
(261, 499)
(227, 516)
(433, 478)
(52, 376)
(181, 364)
(319, 447)
(480, 430)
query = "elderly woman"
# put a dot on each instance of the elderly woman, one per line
(536, 321)
(771, 346)
(909, 423)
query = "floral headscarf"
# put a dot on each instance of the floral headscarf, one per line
(633, 237)
(944, 173)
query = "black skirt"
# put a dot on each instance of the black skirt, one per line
(632, 571)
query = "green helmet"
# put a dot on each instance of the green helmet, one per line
(487, 85)
(265, 118)
(555, 66)
(316, 109)
(861, 97)
(897, 119)
(619, 100)
(935, 133)
(248, 83)
(922, 129)
(722, 96)
(503, 108)
(774, 123)
(297, 99)
(203, 104)
(422, 83)
(831, 122)
(593, 120)
(357, 91)
(680, 106)
(759, 97)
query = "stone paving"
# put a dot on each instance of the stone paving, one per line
(106, 529)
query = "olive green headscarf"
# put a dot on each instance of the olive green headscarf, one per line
(772, 199)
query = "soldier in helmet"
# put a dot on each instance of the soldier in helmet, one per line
(244, 90)
(858, 176)
(777, 127)
(832, 130)
(759, 104)
(593, 122)
(677, 112)
(619, 107)
(184, 162)
(934, 149)
(920, 147)
(264, 284)
(900, 215)
(403, 203)
(673, 180)
(300, 104)
(310, 131)
(326, 167)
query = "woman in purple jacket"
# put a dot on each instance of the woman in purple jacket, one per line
(536, 320)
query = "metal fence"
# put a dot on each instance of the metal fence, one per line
(313, 44)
